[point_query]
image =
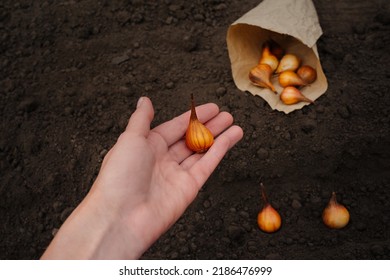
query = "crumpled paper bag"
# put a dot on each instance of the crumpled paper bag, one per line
(294, 25)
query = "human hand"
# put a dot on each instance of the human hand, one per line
(146, 182)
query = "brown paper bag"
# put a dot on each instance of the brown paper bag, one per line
(294, 25)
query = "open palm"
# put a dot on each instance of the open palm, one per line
(146, 182)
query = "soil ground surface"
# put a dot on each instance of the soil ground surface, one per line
(71, 73)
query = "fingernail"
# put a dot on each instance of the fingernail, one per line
(140, 100)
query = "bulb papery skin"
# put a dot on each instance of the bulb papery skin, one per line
(335, 215)
(288, 62)
(307, 73)
(291, 95)
(198, 137)
(268, 58)
(290, 78)
(261, 76)
(269, 219)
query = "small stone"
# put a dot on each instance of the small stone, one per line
(308, 125)
(198, 17)
(54, 231)
(234, 232)
(262, 153)
(57, 206)
(123, 17)
(206, 204)
(344, 112)
(221, 91)
(120, 59)
(28, 105)
(252, 249)
(65, 214)
(190, 43)
(170, 85)
(244, 214)
(296, 204)
(103, 153)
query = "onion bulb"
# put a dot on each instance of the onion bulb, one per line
(268, 58)
(290, 78)
(288, 62)
(198, 137)
(268, 218)
(307, 73)
(335, 215)
(261, 76)
(292, 95)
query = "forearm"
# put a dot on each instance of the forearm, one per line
(92, 232)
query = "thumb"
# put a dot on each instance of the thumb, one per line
(140, 120)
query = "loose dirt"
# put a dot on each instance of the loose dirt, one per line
(71, 73)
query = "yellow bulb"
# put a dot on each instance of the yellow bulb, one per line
(288, 62)
(268, 58)
(291, 95)
(198, 137)
(307, 73)
(290, 78)
(268, 218)
(335, 215)
(261, 76)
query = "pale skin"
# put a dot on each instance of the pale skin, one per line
(145, 183)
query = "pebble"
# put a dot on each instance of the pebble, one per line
(296, 204)
(234, 232)
(220, 91)
(28, 105)
(262, 153)
(65, 214)
(206, 204)
(120, 59)
(123, 17)
(244, 214)
(190, 43)
(344, 112)
(252, 249)
(54, 231)
(308, 125)
(170, 85)
(57, 205)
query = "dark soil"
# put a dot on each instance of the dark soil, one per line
(72, 71)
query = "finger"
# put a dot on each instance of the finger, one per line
(201, 167)
(174, 129)
(223, 120)
(140, 120)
